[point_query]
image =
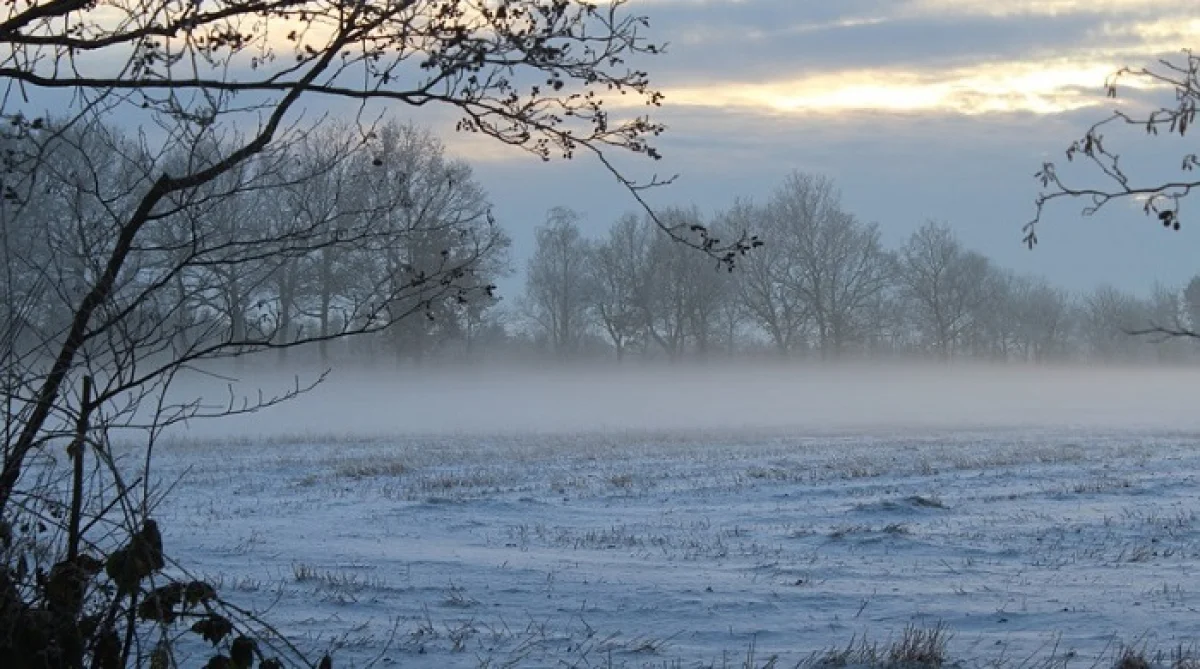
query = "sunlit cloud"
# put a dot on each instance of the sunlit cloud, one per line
(1009, 8)
(1175, 30)
(882, 9)
(1037, 87)
(707, 34)
(994, 78)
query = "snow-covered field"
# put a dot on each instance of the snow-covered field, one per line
(1054, 538)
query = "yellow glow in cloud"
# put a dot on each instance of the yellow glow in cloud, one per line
(1038, 87)
(999, 8)
(993, 8)
(1173, 31)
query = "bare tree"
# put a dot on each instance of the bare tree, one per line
(762, 281)
(1191, 301)
(1041, 318)
(822, 273)
(439, 209)
(888, 329)
(619, 269)
(331, 195)
(558, 286)
(947, 286)
(729, 323)
(706, 289)
(187, 69)
(1103, 178)
(837, 267)
(681, 292)
(1108, 317)
(1166, 314)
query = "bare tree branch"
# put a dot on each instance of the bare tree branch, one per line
(1161, 199)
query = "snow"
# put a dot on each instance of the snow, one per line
(687, 548)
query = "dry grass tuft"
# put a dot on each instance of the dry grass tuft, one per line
(920, 647)
(1132, 659)
(857, 653)
(917, 648)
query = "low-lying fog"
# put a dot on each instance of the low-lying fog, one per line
(808, 399)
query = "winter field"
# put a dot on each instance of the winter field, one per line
(706, 518)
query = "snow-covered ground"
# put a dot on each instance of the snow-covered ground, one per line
(694, 547)
(689, 547)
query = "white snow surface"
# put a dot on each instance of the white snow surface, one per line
(1066, 529)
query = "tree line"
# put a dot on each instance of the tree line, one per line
(338, 233)
(345, 232)
(823, 286)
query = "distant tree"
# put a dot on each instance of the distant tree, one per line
(730, 324)
(558, 285)
(992, 332)
(1108, 317)
(1191, 301)
(1041, 319)
(666, 302)
(619, 272)
(838, 266)
(889, 330)
(317, 287)
(438, 211)
(1166, 313)
(822, 272)
(763, 285)
(948, 287)
(707, 291)
(680, 300)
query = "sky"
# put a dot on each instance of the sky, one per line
(919, 109)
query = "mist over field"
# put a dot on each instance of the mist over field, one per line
(756, 397)
(680, 515)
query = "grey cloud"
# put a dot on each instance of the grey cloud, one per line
(795, 38)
